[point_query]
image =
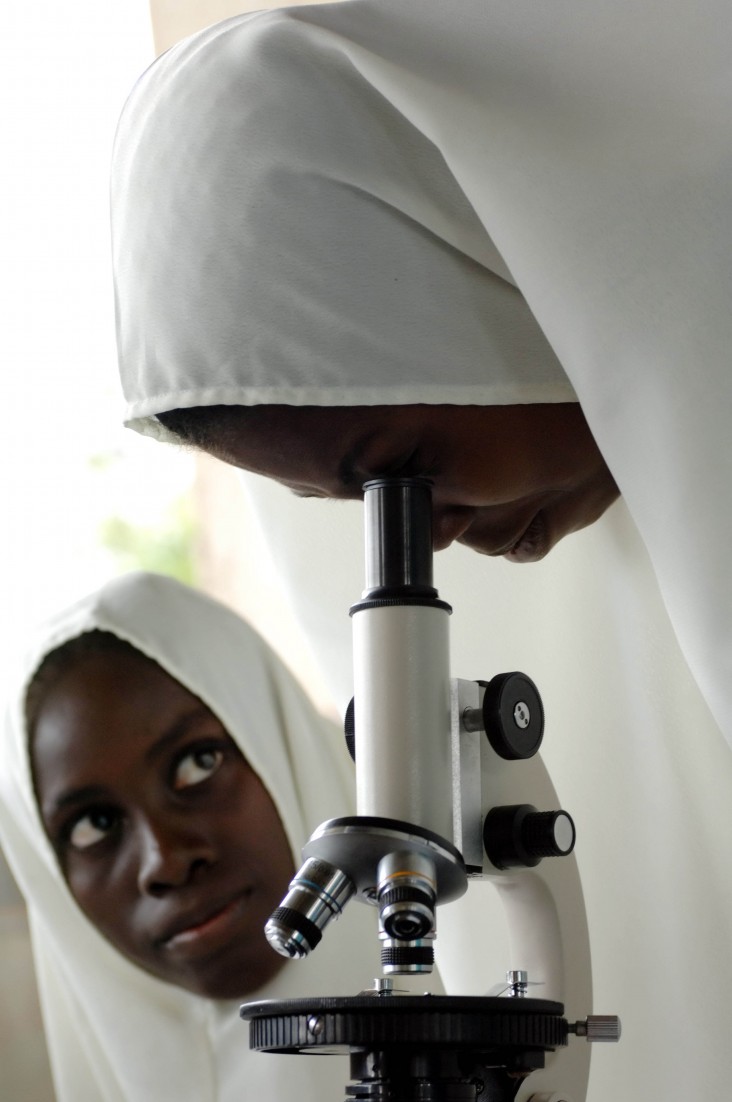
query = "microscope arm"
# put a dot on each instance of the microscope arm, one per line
(542, 909)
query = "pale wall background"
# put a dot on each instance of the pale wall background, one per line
(67, 464)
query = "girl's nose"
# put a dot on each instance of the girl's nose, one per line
(449, 522)
(170, 855)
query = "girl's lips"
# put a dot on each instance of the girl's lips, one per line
(216, 928)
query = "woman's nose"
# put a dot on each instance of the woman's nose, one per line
(449, 522)
(170, 855)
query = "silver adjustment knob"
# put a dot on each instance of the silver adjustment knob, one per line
(598, 1027)
(517, 981)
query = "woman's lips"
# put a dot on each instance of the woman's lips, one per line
(533, 544)
(530, 544)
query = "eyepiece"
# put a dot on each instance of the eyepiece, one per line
(398, 537)
(317, 894)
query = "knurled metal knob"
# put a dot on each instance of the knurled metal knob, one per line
(598, 1027)
(519, 836)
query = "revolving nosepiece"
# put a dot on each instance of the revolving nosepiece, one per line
(317, 894)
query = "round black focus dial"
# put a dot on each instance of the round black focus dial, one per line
(513, 715)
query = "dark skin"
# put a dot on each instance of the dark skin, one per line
(507, 480)
(167, 839)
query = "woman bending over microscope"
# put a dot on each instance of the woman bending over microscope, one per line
(489, 243)
(161, 771)
(505, 228)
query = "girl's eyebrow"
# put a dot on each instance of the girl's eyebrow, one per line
(178, 731)
(88, 793)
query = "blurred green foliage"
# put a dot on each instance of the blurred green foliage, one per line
(166, 548)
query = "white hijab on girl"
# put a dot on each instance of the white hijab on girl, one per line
(115, 1033)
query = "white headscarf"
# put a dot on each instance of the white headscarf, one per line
(337, 205)
(115, 1033)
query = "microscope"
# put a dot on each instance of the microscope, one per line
(449, 790)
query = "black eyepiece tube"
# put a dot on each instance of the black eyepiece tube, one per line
(398, 538)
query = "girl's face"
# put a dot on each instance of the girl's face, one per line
(168, 841)
(507, 480)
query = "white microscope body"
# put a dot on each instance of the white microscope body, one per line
(450, 789)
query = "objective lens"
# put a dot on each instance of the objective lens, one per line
(317, 894)
(406, 893)
(407, 912)
(400, 958)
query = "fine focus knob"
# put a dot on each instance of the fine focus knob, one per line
(513, 715)
(520, 836)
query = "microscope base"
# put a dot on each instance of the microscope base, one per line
(417, 1048)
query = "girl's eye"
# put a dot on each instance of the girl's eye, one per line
(92, 828)
(196, 767)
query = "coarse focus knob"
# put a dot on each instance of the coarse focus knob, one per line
(519, 836)
(349, 728)
(513, 715)
(598, 1027)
